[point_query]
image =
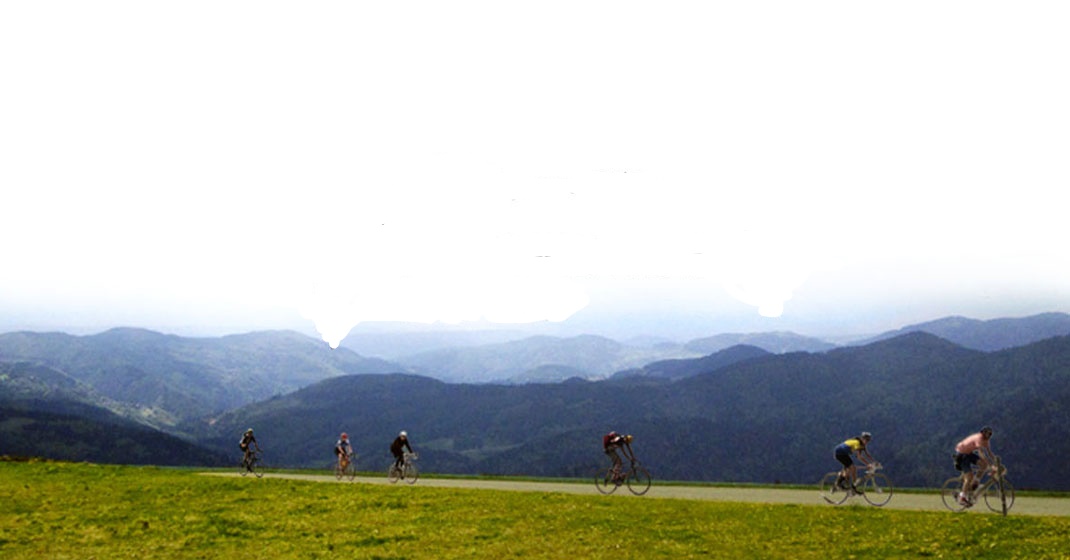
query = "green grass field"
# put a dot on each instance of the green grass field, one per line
(82, 511)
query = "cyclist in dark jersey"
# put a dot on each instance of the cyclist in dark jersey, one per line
(613, 441)
(247, 440)
(400, 442)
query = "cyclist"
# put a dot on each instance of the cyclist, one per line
(400, 442)
(343, 450)
(976, 449)
(843, 451)
(613, 441)
(247, 440)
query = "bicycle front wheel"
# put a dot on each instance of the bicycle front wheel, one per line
(877, 489)
(639, 481)
(993, 501)
(949, 492)
(603, 480)
(411, 474)
(830, 491)
(348, 473)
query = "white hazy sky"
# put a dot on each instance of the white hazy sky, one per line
(363, 161)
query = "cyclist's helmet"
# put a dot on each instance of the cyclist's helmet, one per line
(628, 439)
(345, 435)
(867, 435)
(403, 434)
(249, 431)
(987, 431)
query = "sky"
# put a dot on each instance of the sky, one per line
(807, 165)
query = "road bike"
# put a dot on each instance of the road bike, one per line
(252, 463)
(992, 484)
(637, 478)
(345, 467)
(406, 472)
(875, 487)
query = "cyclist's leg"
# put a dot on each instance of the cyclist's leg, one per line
(964, 463)
(615, 458)
(844, 458)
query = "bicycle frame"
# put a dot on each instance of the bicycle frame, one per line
(876, 488)
(987, 481)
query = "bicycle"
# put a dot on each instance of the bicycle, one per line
(637, 478)
(992, 484)
(406, 472)
(252, 463)
(345, 468)
(874, 487)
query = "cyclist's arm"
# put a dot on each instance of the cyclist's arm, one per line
(631, 454)
(988, 455)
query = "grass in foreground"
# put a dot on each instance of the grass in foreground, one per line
(58, 510)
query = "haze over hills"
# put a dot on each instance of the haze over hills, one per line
(170, 379)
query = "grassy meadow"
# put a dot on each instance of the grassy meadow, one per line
(85, 511)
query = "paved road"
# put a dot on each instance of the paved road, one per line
(1023, 505)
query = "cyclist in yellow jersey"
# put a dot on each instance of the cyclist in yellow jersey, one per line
(843, 452)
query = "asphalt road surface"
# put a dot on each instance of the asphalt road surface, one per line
(1023, 505)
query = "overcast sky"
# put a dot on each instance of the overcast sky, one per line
(249, 163)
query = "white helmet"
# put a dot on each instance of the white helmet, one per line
(403, 434)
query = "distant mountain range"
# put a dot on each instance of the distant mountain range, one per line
(991, 335)
(164, 380)
(690, 409)
(771, 417)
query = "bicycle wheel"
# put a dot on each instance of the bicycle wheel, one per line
(638, 481)
(393, 473)
(877, 489)
(830, 491)
(410, 472)
(949, 492)
(258, 466)
(603, 480)
(993, 501)
(349, 472)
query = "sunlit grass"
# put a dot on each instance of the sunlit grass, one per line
(57, 510)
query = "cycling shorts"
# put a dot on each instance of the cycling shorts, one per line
(963, 461)
(843, 455)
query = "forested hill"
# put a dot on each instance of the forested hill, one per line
(990, 335)
(770, 418)
(170, 379)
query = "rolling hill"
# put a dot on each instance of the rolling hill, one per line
(168, 379)
(990, 335)
(769, 418)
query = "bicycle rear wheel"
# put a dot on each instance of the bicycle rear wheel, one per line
(830, 491)
(877, 489)
(393, 473)
(603, 480)
(949, 492)
(638, 481)
(411, 473)
(992, 497)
